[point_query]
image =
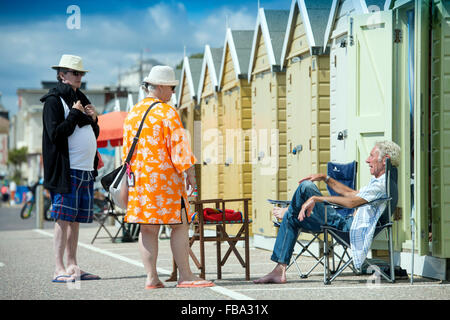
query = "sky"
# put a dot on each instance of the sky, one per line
(109, 35)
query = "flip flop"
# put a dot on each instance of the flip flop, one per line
(158, 286)
(196, 284)
(89, 276)
(57, 279)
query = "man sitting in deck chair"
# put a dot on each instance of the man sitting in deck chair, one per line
(307, 211)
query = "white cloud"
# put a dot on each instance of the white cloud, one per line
(212, 29)
(109, 42)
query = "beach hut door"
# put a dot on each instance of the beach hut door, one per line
(370, 85)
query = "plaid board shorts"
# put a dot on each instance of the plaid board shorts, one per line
(76, 206)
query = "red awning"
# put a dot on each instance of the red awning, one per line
(111, 129)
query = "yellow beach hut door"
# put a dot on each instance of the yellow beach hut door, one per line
(370, 86)
(299, 123)
(232, 151)
(210, 152)
(264, 175)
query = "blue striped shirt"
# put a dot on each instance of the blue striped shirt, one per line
(365, 220)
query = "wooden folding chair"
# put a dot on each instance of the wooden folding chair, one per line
(220, 236)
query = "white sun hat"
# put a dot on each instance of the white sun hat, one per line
(69, 61)
(161, 75)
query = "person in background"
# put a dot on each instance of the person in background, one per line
(12, 189)
(5, 193)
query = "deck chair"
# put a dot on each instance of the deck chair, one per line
(346, 174)
(102, 210)
(384, 223)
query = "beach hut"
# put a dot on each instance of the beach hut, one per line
(420, 124)
(370, 110)
(440, 131)
(210, 104)
(188, 108)
(307, 91)
(336, 35)
(235, 171)
(268, 89)
(398, 90)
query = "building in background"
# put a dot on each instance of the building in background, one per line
(131, 78)
(4, 131)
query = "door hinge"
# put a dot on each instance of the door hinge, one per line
(351, 32)
(397, 35)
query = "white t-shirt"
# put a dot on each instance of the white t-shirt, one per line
(82, 145)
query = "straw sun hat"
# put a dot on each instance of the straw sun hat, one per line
(70, 62)
(161, 75)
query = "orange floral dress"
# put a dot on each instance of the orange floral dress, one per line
(162, 154)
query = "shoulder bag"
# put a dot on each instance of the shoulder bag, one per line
(117, 182)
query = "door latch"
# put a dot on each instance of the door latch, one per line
(297, 149)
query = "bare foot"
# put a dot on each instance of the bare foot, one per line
(279, 212)
(150, 282)
(277, 275)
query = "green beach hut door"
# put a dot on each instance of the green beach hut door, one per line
(370, 86)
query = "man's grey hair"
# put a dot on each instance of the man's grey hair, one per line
(389, 148)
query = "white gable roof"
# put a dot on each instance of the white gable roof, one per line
(314, 14)
(208, 61)
(270, 35)
(239, 51)
(190, 75)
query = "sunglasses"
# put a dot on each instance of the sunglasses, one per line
(77, 73)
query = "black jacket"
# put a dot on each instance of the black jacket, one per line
(56, 130)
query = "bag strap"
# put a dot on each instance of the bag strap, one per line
(136, 138)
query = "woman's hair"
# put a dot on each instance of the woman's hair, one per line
(148, 88)
(389, 148)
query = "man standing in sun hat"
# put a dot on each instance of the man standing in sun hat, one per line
(69, 150)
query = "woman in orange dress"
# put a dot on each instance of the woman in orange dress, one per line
(161, 159)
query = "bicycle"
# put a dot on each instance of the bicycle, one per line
(29, 206)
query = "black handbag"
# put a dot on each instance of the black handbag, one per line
(108, 179)
(115, 182)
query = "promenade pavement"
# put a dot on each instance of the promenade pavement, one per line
(27, 262)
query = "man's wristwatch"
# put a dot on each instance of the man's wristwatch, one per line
(327, 178)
